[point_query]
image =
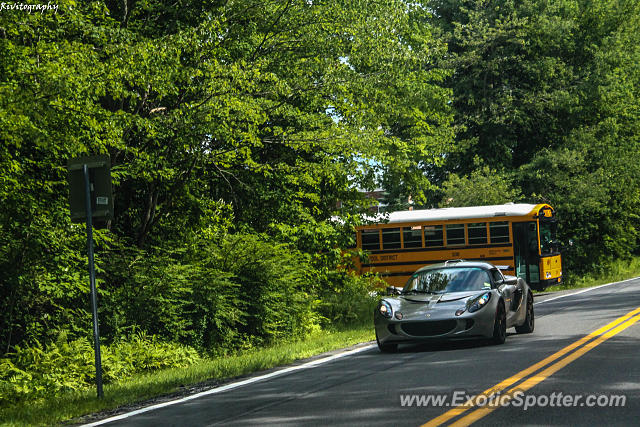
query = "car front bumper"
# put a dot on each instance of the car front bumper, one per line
(436, 327)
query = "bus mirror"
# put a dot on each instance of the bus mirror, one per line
(562, 246)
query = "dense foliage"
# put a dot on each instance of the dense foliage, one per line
(34, 372)
(223, 120)
(547, 98)
(237, 129)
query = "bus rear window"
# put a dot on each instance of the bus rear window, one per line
(433, 236)
(390, 238)
(455, 234)
(477, 233)
(371, 240)
(499, 232)
(412, 237)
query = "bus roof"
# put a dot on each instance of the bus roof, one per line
(443, 214)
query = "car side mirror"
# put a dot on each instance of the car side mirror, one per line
(508, 281)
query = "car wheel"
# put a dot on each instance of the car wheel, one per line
(529, 321)
(499, 326)
(386, 348)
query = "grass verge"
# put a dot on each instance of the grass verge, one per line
(615, 272)
(67, 406)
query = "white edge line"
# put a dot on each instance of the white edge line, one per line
(586, 290)
(231, 386)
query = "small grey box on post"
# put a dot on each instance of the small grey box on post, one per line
(100, 185)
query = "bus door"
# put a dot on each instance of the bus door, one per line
(525, 251)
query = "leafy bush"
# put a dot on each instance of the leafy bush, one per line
(275, 286)
(346, 299)
(167, 295)
(216, 294)
(36, 372)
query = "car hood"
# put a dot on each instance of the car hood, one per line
(417, 305)
(440, 298)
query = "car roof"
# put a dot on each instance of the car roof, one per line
(458, 264)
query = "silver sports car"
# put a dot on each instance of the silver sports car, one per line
(456, 299)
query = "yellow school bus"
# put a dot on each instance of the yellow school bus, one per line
(520, 237)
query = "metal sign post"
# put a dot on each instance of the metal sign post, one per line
(92, 280)
(91, 201)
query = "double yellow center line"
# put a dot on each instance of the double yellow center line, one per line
(583, 345)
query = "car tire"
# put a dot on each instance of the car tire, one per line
(499, 326)
(529, 321)
(386, 348)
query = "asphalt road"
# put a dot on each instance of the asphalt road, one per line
(367, 388)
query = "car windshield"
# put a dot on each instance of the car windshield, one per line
(449, 279)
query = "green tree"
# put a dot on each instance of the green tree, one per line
(249, 116)
(516, 65)
(547, 91)
(483, 186)
(49, 86)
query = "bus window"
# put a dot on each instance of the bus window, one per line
(477, 233)
(548, 242)
(390, 238)
(433, 236)
(455, 234)
(499, 232)
(371, 240)
(412, 237)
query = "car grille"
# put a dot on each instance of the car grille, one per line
(429, 328)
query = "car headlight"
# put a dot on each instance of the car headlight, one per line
(385, 309)
(479, 302)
